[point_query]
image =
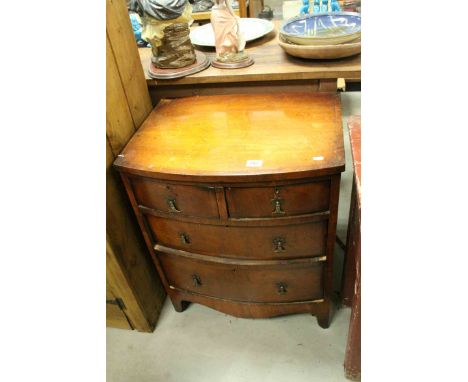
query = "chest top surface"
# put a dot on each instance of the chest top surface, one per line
(239, 136)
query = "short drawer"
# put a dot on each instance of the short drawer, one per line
(289, 200)
(252, 283)
(176, 199)
(269, 242)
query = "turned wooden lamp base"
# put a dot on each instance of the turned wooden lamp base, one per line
(200, 64)
(233, 65)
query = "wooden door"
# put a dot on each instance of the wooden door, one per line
(134, 284)
(115, 311)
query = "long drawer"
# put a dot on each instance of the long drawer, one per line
(297, 281)
(268, 242)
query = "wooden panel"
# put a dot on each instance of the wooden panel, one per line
(298, 240)
(328, 85)
(255, 7)
(245, 309)
(160, 92)
(352, 361)
(354, 127)
(255, 202)
(127, 258)
(301, 281)
(292, 135)
(351, 248)
(166, 197)
(119, 122)
(116, 279)
(352, 269)
(354, 221)
(120, 33)
(243, 8)
(109, 294)
(115, 318)
(129, 269)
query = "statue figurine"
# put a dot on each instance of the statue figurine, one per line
(166, 28)
(305, 7)
(228, 38)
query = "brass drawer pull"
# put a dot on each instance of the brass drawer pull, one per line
(277, 210)
(196, 280)
(279, 243)
(172, 205)
(282, 288)
(184, 238)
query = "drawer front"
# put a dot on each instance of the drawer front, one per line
(252, 283)
(290, 200)
(273, 242)
(176, 199)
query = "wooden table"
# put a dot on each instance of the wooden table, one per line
(273, 70)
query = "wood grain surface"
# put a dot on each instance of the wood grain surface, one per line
(352, 268)
(267, 202)
(237, 198)
(271, 64)
(130, 273)
(221, 137)
(125, 51)
(299, 240)
(354, 126)
(250, 283)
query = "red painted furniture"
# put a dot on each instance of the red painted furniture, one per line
(352, 273)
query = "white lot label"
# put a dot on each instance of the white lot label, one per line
(317, 158)
(254, 163)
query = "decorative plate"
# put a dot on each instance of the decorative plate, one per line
(321, 52)
(251, 28)
(322, 28)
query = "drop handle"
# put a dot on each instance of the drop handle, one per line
(196, 280)
(282, 288)
(278, 243)
(184, 238)
(276, 201)
(172, 205)
(278, 210)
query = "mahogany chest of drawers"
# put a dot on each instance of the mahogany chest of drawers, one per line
(237, 198)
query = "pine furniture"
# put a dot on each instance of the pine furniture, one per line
(134, 293)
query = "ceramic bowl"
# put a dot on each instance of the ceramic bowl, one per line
(250, 27)
(321, 52)
(322, 28)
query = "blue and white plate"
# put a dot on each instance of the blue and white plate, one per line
(322, 28)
